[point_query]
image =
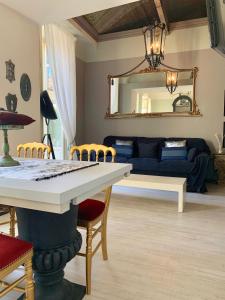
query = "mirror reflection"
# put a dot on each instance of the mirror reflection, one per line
(148, 93)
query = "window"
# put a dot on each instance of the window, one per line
(143, 103)
(55, 126)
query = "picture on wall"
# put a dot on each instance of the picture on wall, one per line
(10, 71)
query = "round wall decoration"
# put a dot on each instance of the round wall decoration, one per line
(25, 87)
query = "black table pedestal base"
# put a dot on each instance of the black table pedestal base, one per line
(56, 241)
(54, 286)
(69, 291)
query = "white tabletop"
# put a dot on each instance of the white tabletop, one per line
(56, 194)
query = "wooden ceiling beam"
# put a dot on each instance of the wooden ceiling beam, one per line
(162, 13)
(83, 23)
(189, 23)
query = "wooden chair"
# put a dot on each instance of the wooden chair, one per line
(12, 218)
(33, 150)
(91, 212)
(15, 253)
(93, 148)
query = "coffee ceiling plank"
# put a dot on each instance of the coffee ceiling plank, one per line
(162, 13)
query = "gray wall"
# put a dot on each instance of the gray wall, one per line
(80, 85)
(209, 93)
(20, 42)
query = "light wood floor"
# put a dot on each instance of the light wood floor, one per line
(157, 254)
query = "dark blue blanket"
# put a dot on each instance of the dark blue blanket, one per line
(196, 180)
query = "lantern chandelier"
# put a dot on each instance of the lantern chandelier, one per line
(154, 38)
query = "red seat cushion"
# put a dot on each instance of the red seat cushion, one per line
(90, 209)
(11, 249)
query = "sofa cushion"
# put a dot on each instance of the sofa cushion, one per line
(11, 249)
(122, 142)
(147, 164)
(123, 150)
(171, 144)
(177, 167)
(148, 150)
(111, 139)
(90, 209)
(198, 143)
(174, 153)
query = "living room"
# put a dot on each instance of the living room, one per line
(165, 140)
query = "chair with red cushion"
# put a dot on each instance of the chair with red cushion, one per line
(15, 253)
(93, 212)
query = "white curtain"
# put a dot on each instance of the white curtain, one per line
(61, 56)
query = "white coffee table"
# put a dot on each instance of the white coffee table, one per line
(162, 183)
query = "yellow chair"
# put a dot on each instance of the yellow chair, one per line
(33, 150)
(91, 212)
(15, 253)
(89, 148)
(12, 216)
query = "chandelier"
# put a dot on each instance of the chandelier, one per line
(154, 37)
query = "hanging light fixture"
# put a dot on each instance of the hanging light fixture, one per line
(154, 36)
(171, 81)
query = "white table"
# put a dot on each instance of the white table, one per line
(162, 183)
(47, 217)
(56, 194)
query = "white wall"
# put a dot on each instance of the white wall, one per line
(20, 42)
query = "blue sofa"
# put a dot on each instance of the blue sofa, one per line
(196, 170)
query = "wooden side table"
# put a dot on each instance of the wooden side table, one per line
(220, 166)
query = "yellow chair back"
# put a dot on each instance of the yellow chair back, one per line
(33, 150)
(89, 148)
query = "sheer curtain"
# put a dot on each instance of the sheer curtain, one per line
(62, 59)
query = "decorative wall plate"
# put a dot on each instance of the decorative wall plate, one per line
(25, 87)
(10, 71)
(11, 102)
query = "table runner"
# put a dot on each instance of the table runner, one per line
(42, 169)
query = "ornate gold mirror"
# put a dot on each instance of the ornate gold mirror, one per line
(146, 94)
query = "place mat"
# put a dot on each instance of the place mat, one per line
(43, 169)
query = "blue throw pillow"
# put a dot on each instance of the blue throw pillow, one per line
(123, 150)
(174, 153)
(191, 154)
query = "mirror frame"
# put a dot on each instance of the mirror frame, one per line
(195, 110)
